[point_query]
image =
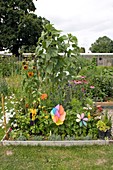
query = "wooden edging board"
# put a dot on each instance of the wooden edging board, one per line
(104, 103)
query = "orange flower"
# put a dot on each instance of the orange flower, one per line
(25, 67)
(30, 74)
(43, 96)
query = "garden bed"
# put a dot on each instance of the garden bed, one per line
(52, 102)
(86, 141)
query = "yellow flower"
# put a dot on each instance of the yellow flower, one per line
(46, 117)
(34, 112)
(43, 107)
(89, 116)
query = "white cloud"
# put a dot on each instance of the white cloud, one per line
(86, 19)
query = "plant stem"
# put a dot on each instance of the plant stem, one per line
(4, 115)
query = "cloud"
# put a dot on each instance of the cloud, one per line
(86, 19)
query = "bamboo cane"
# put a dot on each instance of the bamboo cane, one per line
(4, 116)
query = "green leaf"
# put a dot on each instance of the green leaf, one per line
(49, 68)
(62, 38)
(48, 56)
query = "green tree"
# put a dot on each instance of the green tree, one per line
(102, 45)
(18, 25)
(82, 50)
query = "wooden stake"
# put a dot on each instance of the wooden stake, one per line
(4, 115)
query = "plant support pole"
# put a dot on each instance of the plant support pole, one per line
(4, 115)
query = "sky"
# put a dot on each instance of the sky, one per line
(86, 19)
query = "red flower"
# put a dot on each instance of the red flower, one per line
(99, 107)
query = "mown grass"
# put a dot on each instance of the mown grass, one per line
(56, 158)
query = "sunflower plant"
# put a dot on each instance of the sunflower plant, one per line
(56, 61)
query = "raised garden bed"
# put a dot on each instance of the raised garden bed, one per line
(5, 142)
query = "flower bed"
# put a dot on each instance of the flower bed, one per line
(62, 125)
(54, 102)
(38, 116)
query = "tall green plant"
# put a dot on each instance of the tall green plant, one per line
(56, 59)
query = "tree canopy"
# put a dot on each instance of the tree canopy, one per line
(82, 50)
(102, 45)
(19, 26)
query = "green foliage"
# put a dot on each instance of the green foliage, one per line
(51, 79)
(9, 66)
(18, 25)
(105, 123)
(101, 78)
(76, 105)
(31, 84)
(102, 126)
(107, 119)
(21, 138)
(3, 87)
(37, 138)
(55, 55)
(102, 45)
(56, 58)
(23, 126)
(82, 50)
(84, 65)
(55, 138)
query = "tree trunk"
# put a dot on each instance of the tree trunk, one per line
(15, 50)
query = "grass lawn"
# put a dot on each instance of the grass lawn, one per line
(56, 158)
